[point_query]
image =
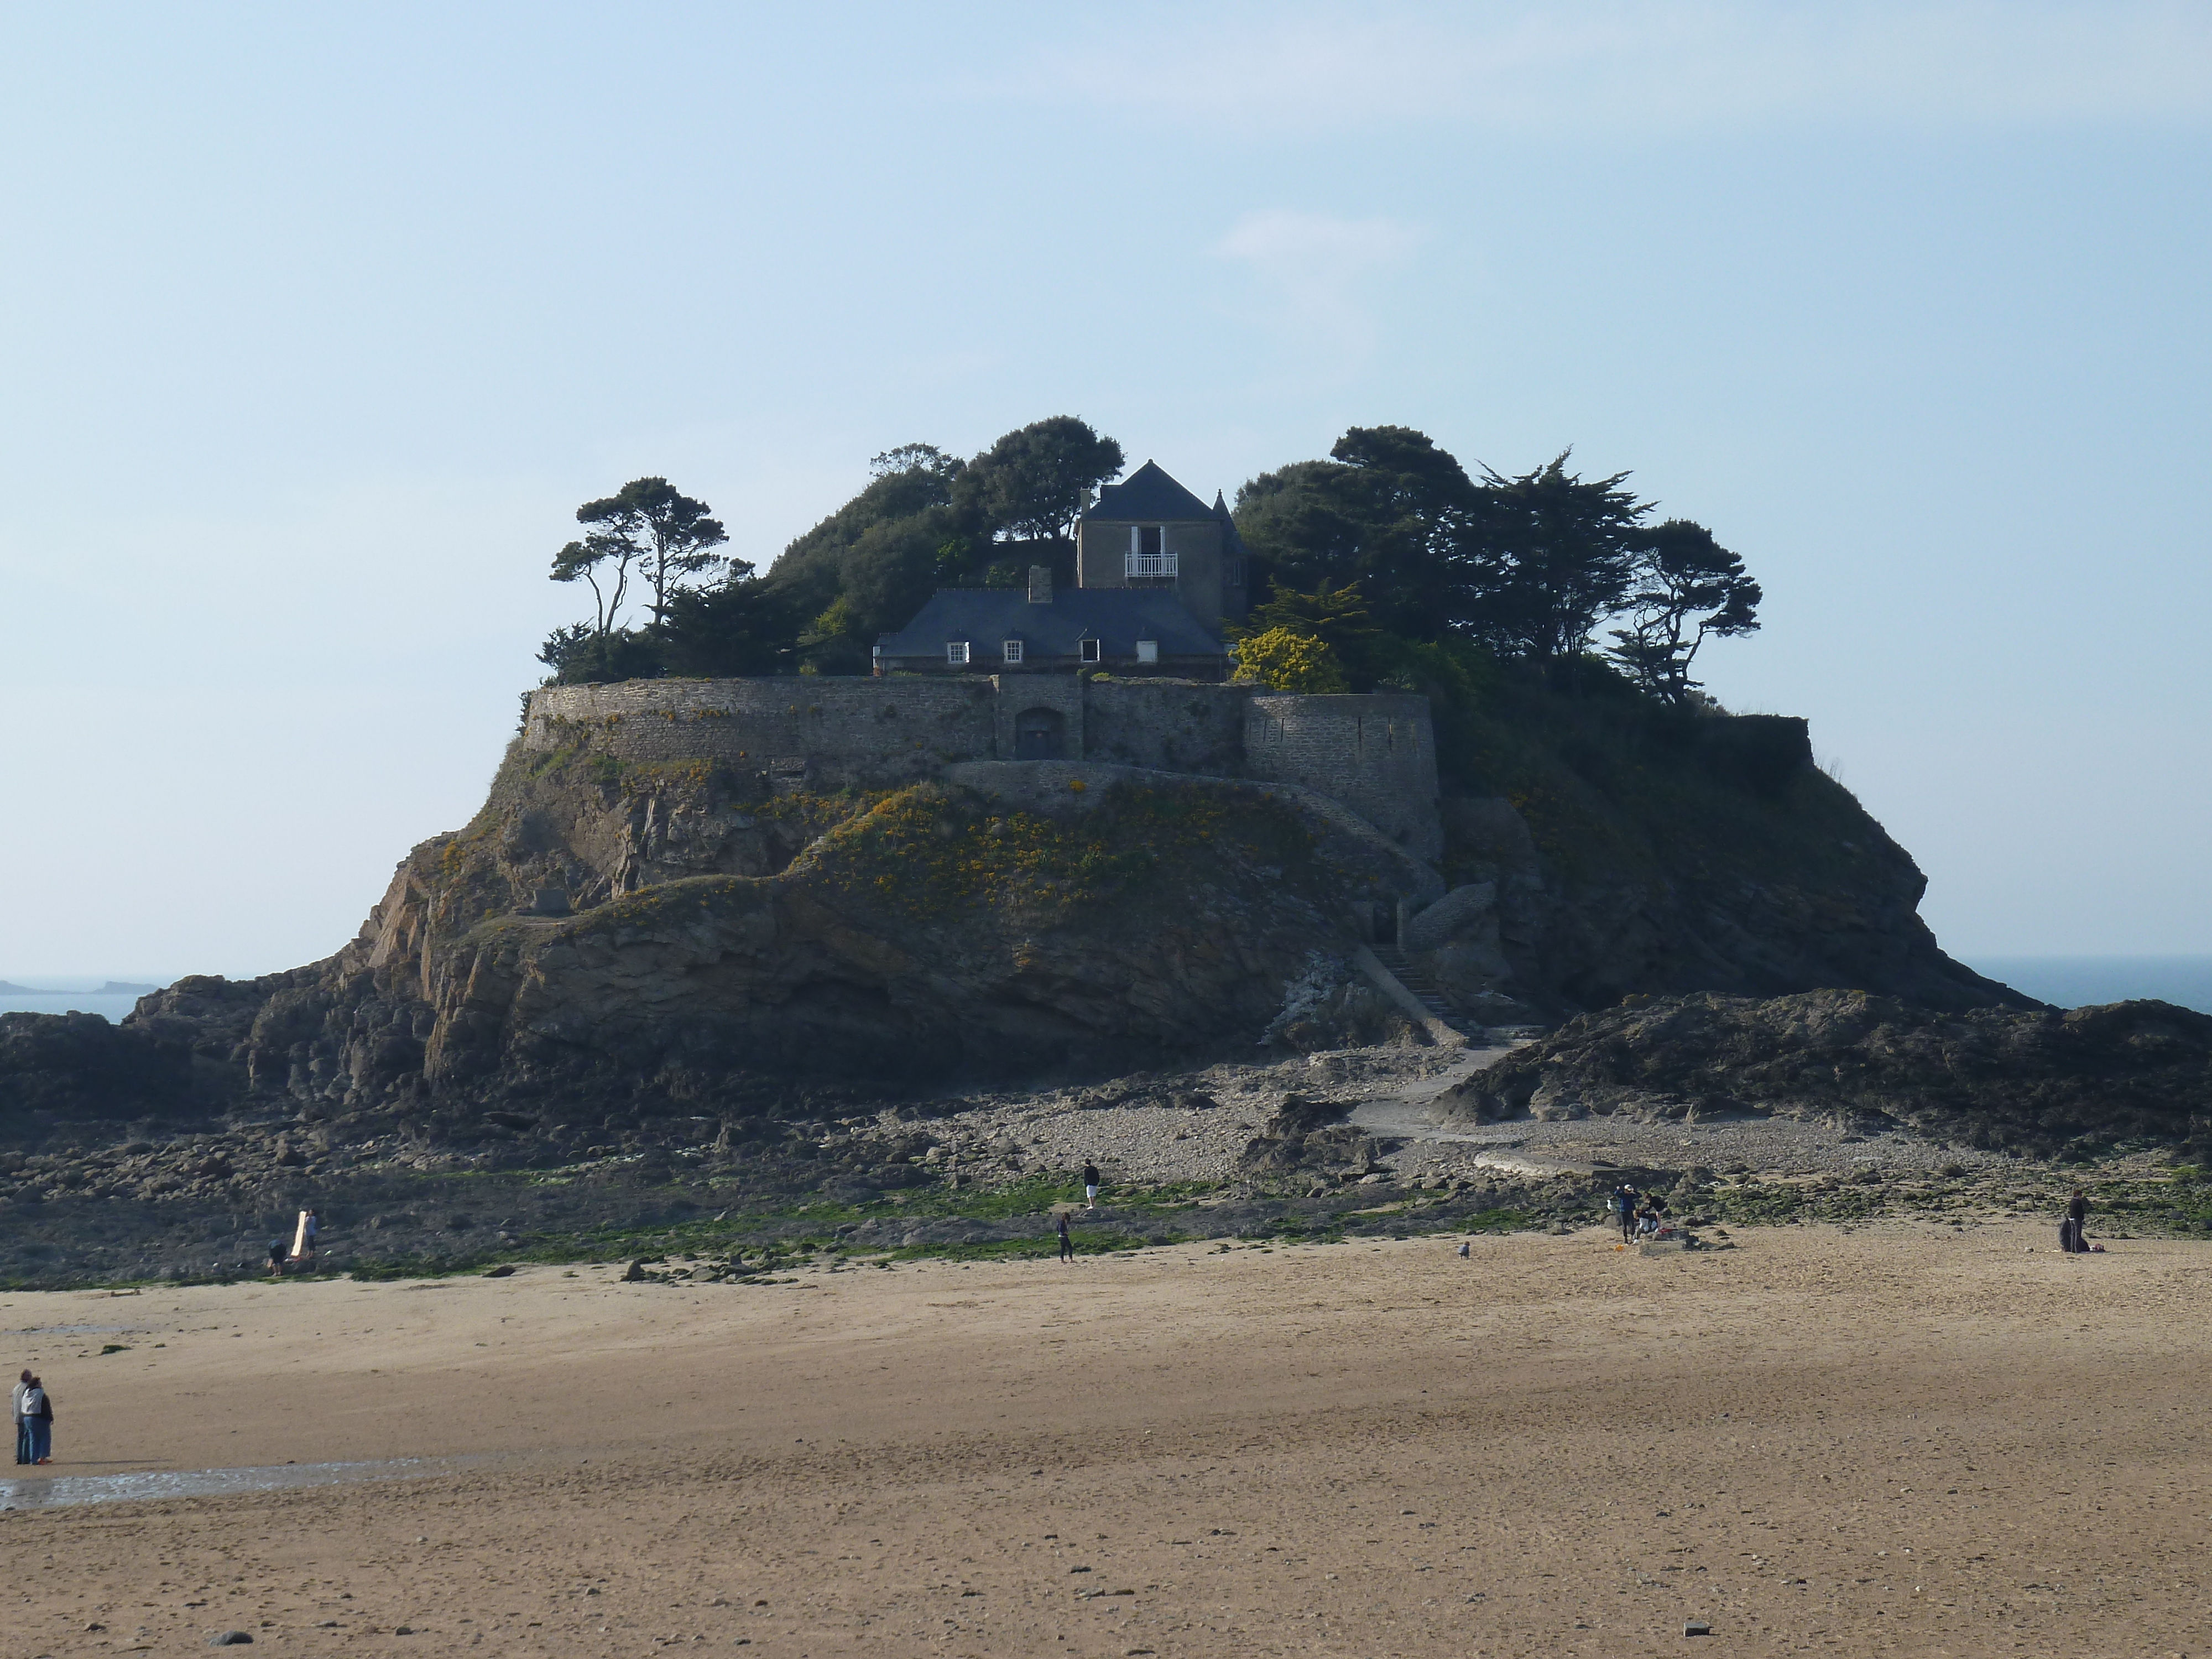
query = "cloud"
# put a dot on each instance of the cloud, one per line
(1669, 67)
(1310, 265)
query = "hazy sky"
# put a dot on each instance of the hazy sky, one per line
(316, 324)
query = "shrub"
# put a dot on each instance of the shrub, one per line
(1284, 661)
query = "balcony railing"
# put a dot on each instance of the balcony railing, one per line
(1151, 565)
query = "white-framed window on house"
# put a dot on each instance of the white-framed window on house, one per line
(1148, 650)
(1012, 650)
(955, 654)
(1149, 557)
(1087, 650)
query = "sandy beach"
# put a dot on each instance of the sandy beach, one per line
(1896, 1438)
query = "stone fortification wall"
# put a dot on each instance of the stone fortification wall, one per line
(830, 732)
(1376, 753)
(1173, 726)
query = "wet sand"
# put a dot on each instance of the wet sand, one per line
(1897, 1439)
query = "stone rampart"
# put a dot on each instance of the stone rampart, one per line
(832, 731)
(1375, 754)
(1173, 726)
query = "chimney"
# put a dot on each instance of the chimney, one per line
(1040, 584)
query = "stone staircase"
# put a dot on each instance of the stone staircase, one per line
(1425, 990)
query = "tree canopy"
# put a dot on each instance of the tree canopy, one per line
(1035, 481)
(927, 519)
(666, 534)
(1403, 568)
(1680, 571)
(1529, 565)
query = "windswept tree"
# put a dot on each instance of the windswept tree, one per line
(1035, 481)
(1553, 554)
(599, 558)
(1687, 588)
(648, 526)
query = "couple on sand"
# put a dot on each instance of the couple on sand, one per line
(34, 1421)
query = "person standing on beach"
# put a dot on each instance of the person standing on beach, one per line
(1624, 1203)
(1090, 1185)
(38, 1413)
(23, 1423)
(1067, 1244)
(276, 1258)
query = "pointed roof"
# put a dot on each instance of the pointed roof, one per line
(1148, 495)
(1231, 541)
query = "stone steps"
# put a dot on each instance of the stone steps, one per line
(1423, 988)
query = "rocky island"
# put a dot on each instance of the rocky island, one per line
(718, 950)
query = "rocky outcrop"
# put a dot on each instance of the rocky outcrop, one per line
(650, 939)
(2033, 1078)
(703, 934)
(1311, 1136)
(1601, 848)
(75, 1065)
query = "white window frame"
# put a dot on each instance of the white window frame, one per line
(955, 654)
(1011, 651)
(1148, 651)
(1088, 650)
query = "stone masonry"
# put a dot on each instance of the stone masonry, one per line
(1375, 754)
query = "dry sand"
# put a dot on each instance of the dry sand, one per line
(1895, 1440)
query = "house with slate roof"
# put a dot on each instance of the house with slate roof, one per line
(1149, 532)
(1012, 630)
(1157, 571)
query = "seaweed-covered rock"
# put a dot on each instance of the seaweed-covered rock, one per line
(78, 1066)
(2032, 1078)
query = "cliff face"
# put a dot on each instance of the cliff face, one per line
(703, 933)
(1604, 847)
(732, 938)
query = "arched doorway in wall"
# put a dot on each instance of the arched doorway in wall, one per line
(1040, 734)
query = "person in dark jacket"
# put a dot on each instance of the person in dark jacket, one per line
(23, 1423)
(1067, 1244)
(1624, 1207)
(1090, 1185)
(38, 1412)
(2071, 1237)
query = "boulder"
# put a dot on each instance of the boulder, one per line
(1472, 908)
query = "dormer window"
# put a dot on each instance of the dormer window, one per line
(1013, 650)
(1088, 651)
(955, 654)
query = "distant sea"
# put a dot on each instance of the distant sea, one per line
(60, 996)
(2065, 982)
(2078, 982)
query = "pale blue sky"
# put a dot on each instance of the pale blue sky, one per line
(318, 322)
